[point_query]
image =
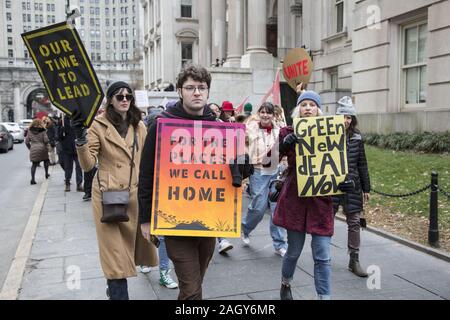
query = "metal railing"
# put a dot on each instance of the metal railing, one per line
(433, 228)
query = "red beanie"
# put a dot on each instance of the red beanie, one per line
(227, 106)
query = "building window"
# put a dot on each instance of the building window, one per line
(186, 8)
(414, 63)
(8, 16)
(8, 28)
(186, 53)
(10, 41)
(8, 4)
(339, 14)
(10, 53)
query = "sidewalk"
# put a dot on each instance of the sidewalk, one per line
(65, 241)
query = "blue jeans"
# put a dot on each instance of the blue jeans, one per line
(322, 261)
(162, 253)
(259, 189)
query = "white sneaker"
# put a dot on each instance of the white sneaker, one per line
(246, 241)
(144, 269)
(224, 246)
(166, 280)
(281, 252)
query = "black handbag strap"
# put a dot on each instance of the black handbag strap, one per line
(131, 163)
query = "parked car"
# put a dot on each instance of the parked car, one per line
(24, 124)
(6, 139)
(16, 131)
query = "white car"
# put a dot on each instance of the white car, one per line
(24, 124)
(16, 131)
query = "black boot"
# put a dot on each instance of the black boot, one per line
(285, 292)
(354, 265)
(117, 289)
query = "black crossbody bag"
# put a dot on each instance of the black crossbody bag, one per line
(115, 202)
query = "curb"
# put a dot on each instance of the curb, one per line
(13, 281)
(414, 245)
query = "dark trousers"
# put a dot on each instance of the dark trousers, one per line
(88, 177)
(35, 165)
(117, 289)
(190, 257)
(69, 159)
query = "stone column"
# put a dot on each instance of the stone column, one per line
(218, 30)
(257, 9)
(204, 16)
(18, 108)
(235, 33)
(284, 29)
(257, 55)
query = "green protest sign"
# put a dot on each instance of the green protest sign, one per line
(65, 69)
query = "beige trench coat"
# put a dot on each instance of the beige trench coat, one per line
(121, 245)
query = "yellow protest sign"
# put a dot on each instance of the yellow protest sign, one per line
(321, 155)
(65, 69)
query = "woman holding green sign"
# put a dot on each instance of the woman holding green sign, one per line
(306, 215)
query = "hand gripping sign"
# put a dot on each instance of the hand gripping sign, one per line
(297, 67)
(65, 69)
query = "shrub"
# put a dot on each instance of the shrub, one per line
(428, 142)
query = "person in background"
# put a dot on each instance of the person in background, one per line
(67, 139)
(216, 109)
(227, 114)
(262, 136)
(37, 142)
(248, 108)
(353, 202)
(51, 134)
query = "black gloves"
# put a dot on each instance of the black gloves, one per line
(241, 169)
(348, 185)
(77, 125)
(288, 142)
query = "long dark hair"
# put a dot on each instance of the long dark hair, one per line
(133, 114)
(353, 128)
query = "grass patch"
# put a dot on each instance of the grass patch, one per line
(399, 172)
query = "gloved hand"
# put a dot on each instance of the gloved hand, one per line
(76, 122)
(288, 142)
(347, 186)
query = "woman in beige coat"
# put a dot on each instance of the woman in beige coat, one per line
(109, 142)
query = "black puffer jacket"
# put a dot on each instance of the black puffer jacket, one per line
(357, 169)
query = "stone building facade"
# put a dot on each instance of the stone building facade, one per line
(392, 57)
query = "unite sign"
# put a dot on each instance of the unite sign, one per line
(65, 69)
(321, 155)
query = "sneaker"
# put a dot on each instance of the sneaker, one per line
(144, 269)
(281, 251)
(67, 189)
(224, 246)
(246, 240)
(166, 281)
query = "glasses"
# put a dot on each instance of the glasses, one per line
(120, 97)
(191, 89)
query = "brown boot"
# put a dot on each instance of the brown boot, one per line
(354, 265)
(67, 189)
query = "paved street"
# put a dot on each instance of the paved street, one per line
(17, 198)
(65, 242)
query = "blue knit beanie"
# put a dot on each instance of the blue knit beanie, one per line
(310, 95)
